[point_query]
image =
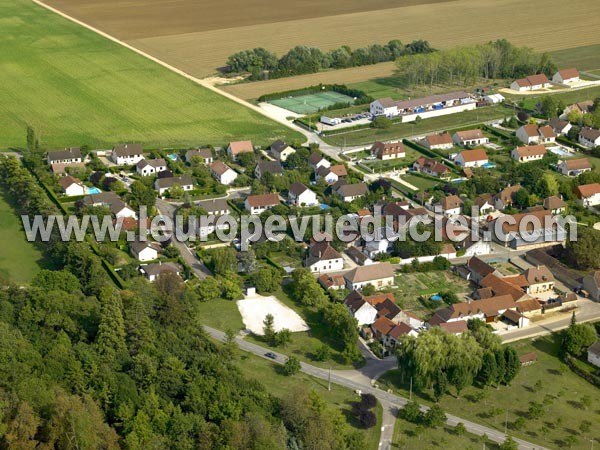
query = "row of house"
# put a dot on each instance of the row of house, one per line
(565, 77)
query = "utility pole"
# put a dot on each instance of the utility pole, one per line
(506, 423)
(329, 381)
(410, 394)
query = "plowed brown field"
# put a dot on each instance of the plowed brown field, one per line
(197, 37)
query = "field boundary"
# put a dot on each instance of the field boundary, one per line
(168, 66)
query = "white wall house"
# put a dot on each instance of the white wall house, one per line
(147, 167)
(472, 158)
(589, 137)
(162, 185)
(144, 251)
(71, 187)
(67, 156)
(127, 155)
(322, 257)
(594, 354)
(299, 195)
(566, 76)
(378, 275)
(531, 83)
(258, 204)
(528, 153)
(589, 194)
(471, 138)
(223, 173)
(574, 167)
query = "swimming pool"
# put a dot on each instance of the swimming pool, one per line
(92, 190)
(560, 151)
(324, 206)
(489, 165)
(436, 298)
(172, 157)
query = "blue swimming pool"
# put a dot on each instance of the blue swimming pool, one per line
(92, 190)
(489, 165)
(172, 157)
(324, 206)
(560, 151)
(436, 298)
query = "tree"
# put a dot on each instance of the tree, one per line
(110, 341)
(367, 419)
(434, 417)
(440, 385)
(582, 252)
(381, 122)
(322, 353)
(247, 260)
(141, 195)
(509, 444)
(208, 289)
(460, 429)
(223, 260)
(268, 329)
(412, 412)
(283, 337)
(577, 337)
(267, 279)
(368, 401)
(291, 366)
(488, 374)
(512, 364)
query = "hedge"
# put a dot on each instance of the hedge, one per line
(431, 153)
(497, 132)
(590, 377)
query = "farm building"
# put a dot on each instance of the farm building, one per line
(531, 83)
(566, 76)
(432, 106)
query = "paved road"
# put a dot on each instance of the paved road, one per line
(198, 268)
(386, 398)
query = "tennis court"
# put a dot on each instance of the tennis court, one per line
(310, 103)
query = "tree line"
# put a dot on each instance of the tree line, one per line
(497, 59)
(302, 59)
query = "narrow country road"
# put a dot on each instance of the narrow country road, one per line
(388, 400)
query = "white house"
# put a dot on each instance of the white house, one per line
(589, 194)
(153, 271)
(144, 251)
(566, 76)
(574, 167)
(474, 247)
(280, 150)
(223, 173)
(272, 167)
(589, 137)
(67, 156)
(391, 150)
(471, 138)
(110, 200)
(331, 174)
(300, 195)
(472, 158)
(147, 167)
(432, 106)
(439, 141)
(378, 275)
(539, 279)
(203, 154)
(349, 192)
(234, 149)
(528, 153)
(71, 187)
(532, 134)
(127, 154)
(594, 354)
(360, 308)
(560, 127)
(531, 83)
(258, 204)
(484, 204)
(450, 206)
(322, 257)
(162, 185)
(316, 161)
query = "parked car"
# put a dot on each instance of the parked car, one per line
(271, 355)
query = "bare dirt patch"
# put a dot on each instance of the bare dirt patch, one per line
(254, 309)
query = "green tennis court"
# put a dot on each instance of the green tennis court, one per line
(310, 103)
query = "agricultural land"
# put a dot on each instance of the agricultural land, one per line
(198, 39)
(75, 87)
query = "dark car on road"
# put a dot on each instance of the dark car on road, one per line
(271, 355)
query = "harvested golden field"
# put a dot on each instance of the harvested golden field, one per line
(198, 39)
(253, 90)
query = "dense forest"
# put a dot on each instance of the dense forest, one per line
(498, 59)
(87, 366)
(303, 59)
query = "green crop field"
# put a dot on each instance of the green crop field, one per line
(583, 58)
(76, 87)
(20, 260)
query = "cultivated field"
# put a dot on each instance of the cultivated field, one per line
(76, 88)
(198, 38)
(20, 260)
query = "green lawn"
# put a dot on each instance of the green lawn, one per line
(411, 286)
(422, 183)
(280, 385)
(408, 435)
(567, 400)
(221, 314)
(75, 87)
(20, 260)
(451, 121)
(578, 95)
(583, 58)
